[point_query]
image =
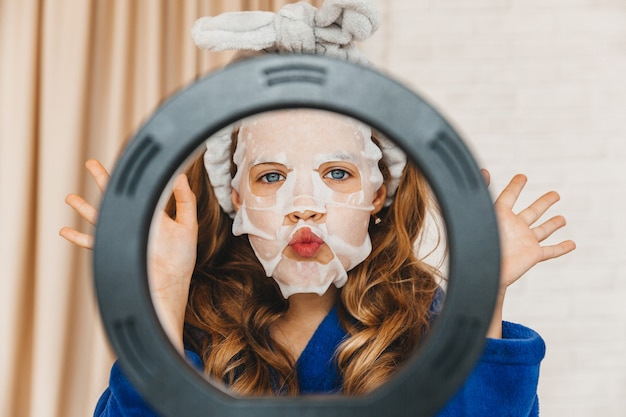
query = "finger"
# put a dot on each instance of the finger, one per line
(554, 251)
(486, 176)
(545, 230)
(82, 207)
(185, 201)
(98, 172)
(508, 197)
(83, 240)
(533, 212)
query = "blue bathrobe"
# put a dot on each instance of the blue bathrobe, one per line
(503, 383)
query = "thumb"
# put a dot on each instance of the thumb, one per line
(185, 201)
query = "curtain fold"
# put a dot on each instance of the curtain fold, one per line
(77, 78)
(18, 130)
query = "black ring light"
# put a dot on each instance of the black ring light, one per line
(423, 385)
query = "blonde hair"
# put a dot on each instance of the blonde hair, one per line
(384, 305)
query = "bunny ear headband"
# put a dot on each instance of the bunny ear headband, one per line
(295, 28)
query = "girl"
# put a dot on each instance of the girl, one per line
(349, 300)
(285, 265)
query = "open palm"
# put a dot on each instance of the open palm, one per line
(521, 236)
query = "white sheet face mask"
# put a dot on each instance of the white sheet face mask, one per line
(305, 186)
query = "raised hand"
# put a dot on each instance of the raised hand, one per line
(521, 238)
(171, 252)
(172, 258)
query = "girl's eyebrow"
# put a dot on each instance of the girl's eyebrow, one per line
(280, 158)
(337, 156)
(267, 163)
(270, 165)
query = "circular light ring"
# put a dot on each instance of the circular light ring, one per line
(178, 128)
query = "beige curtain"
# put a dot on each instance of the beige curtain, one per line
(77, 78)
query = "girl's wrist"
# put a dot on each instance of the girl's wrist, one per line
(172, 321)
(495, 327)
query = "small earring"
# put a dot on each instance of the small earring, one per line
(377, 219)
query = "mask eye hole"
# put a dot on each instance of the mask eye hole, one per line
(341, 176)
(266, 178)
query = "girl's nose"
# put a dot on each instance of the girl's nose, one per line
(296, 216)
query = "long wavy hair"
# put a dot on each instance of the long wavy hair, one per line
(384, 305)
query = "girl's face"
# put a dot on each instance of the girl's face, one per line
(307, 182)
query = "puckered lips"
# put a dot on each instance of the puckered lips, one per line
(305, 243)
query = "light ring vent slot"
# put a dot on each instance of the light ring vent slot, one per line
(131, 342)
(285, 74)
(140, 157)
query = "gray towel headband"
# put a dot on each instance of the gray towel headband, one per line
(295, 28)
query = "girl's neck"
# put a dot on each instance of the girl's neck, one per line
(304, 307)
(306, 311)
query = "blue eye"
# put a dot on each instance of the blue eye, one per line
(337, 174)
(272, 177)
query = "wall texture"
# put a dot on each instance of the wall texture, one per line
(539, 87)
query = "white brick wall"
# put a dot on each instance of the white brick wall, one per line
(539, 87)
